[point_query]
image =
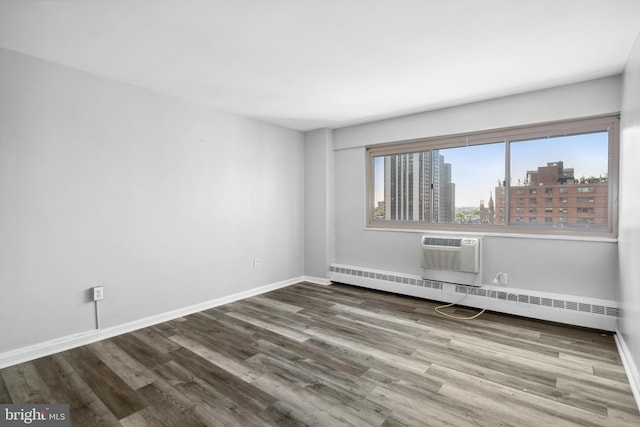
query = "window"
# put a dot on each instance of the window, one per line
(480, 180)
(586, 190)
(586, 221)
(585, 200)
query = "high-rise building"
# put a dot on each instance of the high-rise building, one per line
(407, 188)
(447, 191)
(551, 195)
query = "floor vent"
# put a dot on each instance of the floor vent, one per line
(502, 295)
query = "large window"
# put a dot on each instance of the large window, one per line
(487, 180)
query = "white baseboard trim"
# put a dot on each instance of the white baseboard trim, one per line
(629, 366)
(570, 309)
(317, 280)
(35, 351)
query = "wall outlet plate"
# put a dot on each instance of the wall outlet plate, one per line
(98, 293)
(504, 279)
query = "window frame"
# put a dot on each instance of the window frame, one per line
(609, 123)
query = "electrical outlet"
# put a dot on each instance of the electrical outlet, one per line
(256, 263)
(98, 293)
(504, 279)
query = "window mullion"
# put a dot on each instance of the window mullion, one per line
(507, 183)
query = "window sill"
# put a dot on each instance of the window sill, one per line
(516, 235)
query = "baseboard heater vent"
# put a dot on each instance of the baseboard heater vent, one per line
(388, 277)
(561, 304)
(535, 300)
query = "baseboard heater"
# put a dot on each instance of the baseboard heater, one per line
(451, 259)
(573, 310)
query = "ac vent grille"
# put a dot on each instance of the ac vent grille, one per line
(438, 241)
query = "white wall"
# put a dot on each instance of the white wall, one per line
(163, 202)
(629, 240)
(318, 204)
(592, 98)
(581, 268)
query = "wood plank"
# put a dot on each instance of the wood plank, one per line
(291, 350)
(171, 406)
(5, 397)
(270, 326)
(126, 367)
(143, 353)
(85, 407)
(234, 367)
(383, 354)
(218, 409)
(144, 418)
(336, 355)
(155, 340)
(25, 385)
(430, 410)
(276, 305)
(116, 394)
(515, 406)
(224, 382)
(307, 407)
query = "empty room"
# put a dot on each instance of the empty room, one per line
(305, 212)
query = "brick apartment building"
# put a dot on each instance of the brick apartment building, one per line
(552, 196)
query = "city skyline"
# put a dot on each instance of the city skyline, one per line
(476, 171)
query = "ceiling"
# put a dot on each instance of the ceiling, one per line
(307, 64)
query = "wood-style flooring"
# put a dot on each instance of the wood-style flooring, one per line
(335, 355)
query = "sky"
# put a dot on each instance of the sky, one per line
(477, 169)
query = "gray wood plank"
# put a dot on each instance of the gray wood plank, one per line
(86, 408)
(126, 367)
(25, 385)
(116, 394)
(336, 355)
(5, 397)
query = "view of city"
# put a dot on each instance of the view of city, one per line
(465, 185)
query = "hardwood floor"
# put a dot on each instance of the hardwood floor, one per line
(335, 355)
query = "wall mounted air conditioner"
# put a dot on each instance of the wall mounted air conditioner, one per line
(461, 254)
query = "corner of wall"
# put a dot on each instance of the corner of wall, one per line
(318, 203)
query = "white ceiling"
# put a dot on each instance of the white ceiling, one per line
(307, 64)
